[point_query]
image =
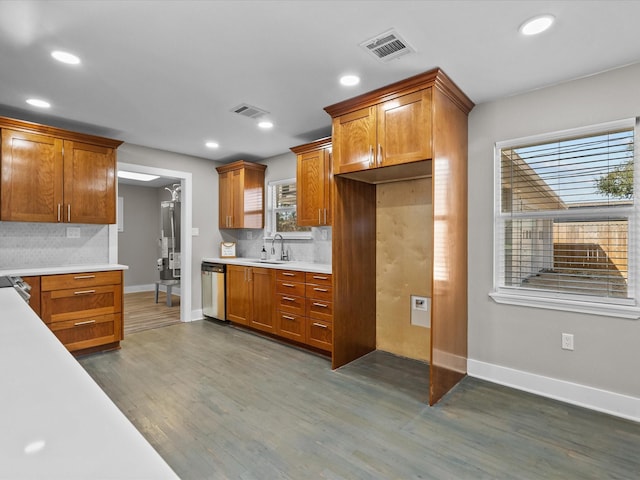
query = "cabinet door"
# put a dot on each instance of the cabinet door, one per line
(238, 294)
(31, 175)
(313, 188)
(89, 183)
(225, 206)
(404, 129)
(236, 196)
(263, 304)
(354, 140)
(34, 301)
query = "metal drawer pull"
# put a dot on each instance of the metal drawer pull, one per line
(288, 285)
(69, 213)
(289, 299)
(319, 325)
(288, 274)
(84, 292)
(320, 290)
(323, 305)
(288, 317)
(82, 277)
(88, 322)
(317, 277)
(59, 206)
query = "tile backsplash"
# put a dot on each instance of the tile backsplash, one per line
(314, 250)
(32, 245)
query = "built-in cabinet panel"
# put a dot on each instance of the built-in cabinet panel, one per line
(251, 297)
(404, 254)
(54, 175)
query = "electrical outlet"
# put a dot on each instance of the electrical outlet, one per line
(73, 232)
(567, 341)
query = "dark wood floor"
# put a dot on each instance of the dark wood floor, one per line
(221, 403)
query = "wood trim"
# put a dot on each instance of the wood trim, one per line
(435, 77)
(241, 164)
(30, 127)
(316, 145)
(354, 267)
(449, 296)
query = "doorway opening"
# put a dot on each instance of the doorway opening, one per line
(147, 272)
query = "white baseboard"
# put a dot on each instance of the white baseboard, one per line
(196, 315)
(151, 287)
(604, 401)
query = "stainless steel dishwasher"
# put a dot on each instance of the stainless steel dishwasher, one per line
(213, 276)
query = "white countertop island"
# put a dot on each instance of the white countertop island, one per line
(55, 421)
(55, 270)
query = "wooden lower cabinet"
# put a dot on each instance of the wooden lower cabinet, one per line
(84, 310)
(250, 297)
(34, 301)
(305, 308)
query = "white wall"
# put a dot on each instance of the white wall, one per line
(138, 244)
(518, 345)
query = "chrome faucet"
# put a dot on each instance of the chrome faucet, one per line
(283, 254)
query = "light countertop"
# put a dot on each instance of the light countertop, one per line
(279, 265)
(56, 422)
(29, 272)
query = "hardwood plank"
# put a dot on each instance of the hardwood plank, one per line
(221, 403)
(142, 313)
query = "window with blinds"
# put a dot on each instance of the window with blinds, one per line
(282, 216)
(565, 215)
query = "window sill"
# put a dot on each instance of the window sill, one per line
(550, 303)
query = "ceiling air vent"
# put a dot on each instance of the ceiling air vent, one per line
(250, 111)
(387, 46)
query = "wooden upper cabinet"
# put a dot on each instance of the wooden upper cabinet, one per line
(393, 132)
(354, 141)
(32, 167)
(404, 129)
(54, 175)
(314, 181)
(89, 183)
(241, 195)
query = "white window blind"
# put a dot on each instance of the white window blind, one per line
(565, 215)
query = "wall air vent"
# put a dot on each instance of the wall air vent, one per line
(387, 46)
(250, 111)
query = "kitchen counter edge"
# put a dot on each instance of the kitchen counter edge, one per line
(251, 262)
(36, 271)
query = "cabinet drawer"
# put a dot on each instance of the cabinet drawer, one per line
(319, 334)
(290, 276)
(291, 304)
(320, 292)
(319, 309)
(80, 280)
(88, 332)
(287, 287)
(73, 304)
(291, 326)
(318, 278)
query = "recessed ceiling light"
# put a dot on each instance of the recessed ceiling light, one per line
(349, 80)
(37, 102)
(65, 57)
(537, 25)
(143, 177)
(212, 145)
(266, 124)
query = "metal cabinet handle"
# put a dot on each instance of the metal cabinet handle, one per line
(371, 155)
(288, 285)
(288, 317)
(288, 274)
(323, 305)
(289, 299)
(325, 216)
(82, 277)
(319, 325)
(84, 292)
(59, 208)
(318, 277)
(320, 289)
(379, 159)
(69, 213)
(88, 322)
(319, 221)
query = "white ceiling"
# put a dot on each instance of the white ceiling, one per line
(165, 74)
